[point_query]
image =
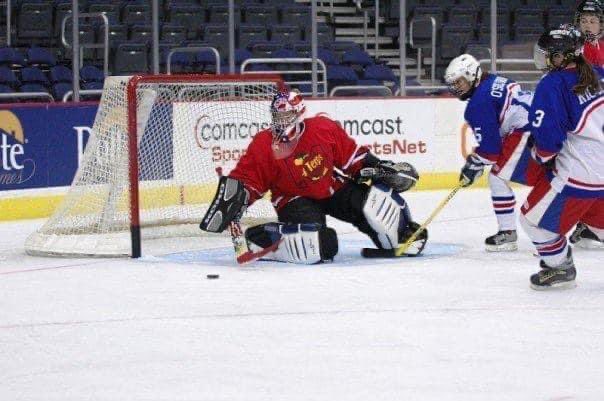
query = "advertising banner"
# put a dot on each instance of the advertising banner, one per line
(40, 145)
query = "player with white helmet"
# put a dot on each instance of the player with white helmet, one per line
(567, 120)
(497, 112)
(313, 169)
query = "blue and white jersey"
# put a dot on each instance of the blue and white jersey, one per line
(497, 108)
(570, 127)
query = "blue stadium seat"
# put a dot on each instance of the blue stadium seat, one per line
(219, 14)
(10, 57)
(324, 34)
(484, 33)
(293, 14)
(526, 34)
(131, 58)
(34, 22)
(117, 34)
(60, 74)
(241, 55)
(33, 75)
(328, 56)
(33, 88)
(59, 90)
(141, 34)
(38, 56)
(8, 78)
(357, 57)
(454, 38)
(205, 59)
(6, 89)
(462, 15)
(136, 14)
(250, 34)
(91, 73)
(423, 27)
(265, 49)
(557, 16)
(338, 75)
(111, 10)
(379, 72)
(92, 85)
(192, 17)
(260, 15)
(526, 16)
(174, 34)
(217, 35)
(286, 34)
(61, 11)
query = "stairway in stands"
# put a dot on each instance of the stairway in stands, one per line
(347, 19)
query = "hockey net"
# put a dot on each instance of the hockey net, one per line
(181, 128)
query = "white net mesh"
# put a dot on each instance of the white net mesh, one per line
(185, 130)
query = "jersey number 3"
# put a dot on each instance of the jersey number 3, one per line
(539, 114)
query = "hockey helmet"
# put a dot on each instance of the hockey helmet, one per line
(287, 112)
(565, 41)
(466, 67)
(590, 7)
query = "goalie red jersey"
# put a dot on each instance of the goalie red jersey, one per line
(312, 170)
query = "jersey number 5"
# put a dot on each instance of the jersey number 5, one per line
(539, 114)
(478, 134)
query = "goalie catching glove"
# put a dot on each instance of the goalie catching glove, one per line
(229, 204)
(400, 177)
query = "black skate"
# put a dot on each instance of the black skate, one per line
(559, 277)
(503, 241)
(583, 237)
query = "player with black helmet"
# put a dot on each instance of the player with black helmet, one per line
(567, 120)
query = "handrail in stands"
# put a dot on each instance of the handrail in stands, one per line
(27, 95)
(419, 49)
(292, 60)
(192, 49)
(104, 45)
(69, 94)
(386, 91)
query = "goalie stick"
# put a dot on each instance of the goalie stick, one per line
(401, 249)
(242, 254)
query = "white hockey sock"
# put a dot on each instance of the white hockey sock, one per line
(552, 247)
(504, 203)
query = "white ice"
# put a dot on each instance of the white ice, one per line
(460, 326)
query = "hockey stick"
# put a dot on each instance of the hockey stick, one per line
(401, 249)
(242, 254)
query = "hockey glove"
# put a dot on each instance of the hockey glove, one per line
(399, 176)
(471, 171)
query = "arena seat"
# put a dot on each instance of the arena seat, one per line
(192, 17)
(39, 56)
(260, 15)
(463, 15)
(91, 73)
(59, 90)
(286, 33)
(141, 34)
(33, 75)
(60, 74)
(338, 75)
(131, 58)
(173, 34)
(250, 34)
(33, 22)
(136, 14)
(8, 78)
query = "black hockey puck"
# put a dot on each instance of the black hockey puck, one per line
(213, 276)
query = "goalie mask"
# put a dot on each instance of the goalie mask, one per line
(287, 112)
(557, 48)
(589, 19)
(463, 76)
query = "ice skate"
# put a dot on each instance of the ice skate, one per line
(559, 277)
(583, 237)
(503, 241)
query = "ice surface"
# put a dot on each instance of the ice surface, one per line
(458, 324)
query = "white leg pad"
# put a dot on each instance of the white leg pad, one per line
(383, 213)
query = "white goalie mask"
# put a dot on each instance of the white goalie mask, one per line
(287, 112)
(464, 67)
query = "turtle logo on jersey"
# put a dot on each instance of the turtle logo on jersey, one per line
(312, 165)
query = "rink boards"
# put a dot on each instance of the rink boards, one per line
(41, 148)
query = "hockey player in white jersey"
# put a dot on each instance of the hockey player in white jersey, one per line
(497, 111)
(567, 123)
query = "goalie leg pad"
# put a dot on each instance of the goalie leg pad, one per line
(229, 204)
(386, 212)
(300, 243)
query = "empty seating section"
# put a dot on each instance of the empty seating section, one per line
(39, 61)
